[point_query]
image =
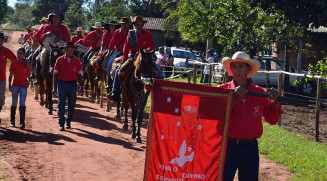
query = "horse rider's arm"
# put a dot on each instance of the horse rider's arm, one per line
(55, 81)
(9, 81)
(126, 49)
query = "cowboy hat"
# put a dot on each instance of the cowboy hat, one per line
(51, 15)
(2, 35)
(138, 19)
(69, 44)
(241, 57)
(111, 23)
(97, 25)
(124, 20)
(44, 20)
(79, 29)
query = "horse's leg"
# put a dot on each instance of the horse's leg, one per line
(46, 93)
(36, 92)
(101, 93)
(97, 92)
(134, 109)
(41, 93)
(49, 87)
(140, 117)
(108, 99)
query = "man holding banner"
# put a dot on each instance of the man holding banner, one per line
(246, 117)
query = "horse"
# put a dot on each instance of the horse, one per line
(133, 88)
(46, 84)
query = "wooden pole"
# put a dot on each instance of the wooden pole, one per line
(188, 73)
(210, 74)
(318, 108)
(280, 88)
(194, 73)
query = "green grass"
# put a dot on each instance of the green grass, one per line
(307, 160)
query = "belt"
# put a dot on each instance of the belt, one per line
(241, 141)
(73, 81)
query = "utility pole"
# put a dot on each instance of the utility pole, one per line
(299, 55)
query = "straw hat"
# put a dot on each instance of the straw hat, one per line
(51, 15)
(97, 25)
(79, 29)
(44, 20)
(241, 57)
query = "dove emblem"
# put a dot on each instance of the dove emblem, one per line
(182, 159)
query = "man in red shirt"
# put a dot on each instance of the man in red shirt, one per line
(5, 54)
(246, 117)
(116, 44)
(142, 39)
(67, 70)
(19, 70)
(93, 41)
(79, 34)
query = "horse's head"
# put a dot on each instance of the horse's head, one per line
(55, 52)
(144, 64)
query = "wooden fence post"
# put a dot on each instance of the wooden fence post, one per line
(210, 74)
(318, 108)
(280, 88)
(194, 73)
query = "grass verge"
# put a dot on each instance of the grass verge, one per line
(307, 160)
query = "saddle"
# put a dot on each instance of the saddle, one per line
(126, 69)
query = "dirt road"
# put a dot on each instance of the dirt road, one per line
(96, 148)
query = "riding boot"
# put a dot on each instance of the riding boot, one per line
(0, 111)
(12, 116)
(22, 110)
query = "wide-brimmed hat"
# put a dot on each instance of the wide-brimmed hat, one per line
(2, 35)
(51, 15)
(111, 23)
(124, 20)
(69, 44)
(79, 29)
(97, 25)
(210, 51)
(241, 57)
(138, 19)
(44, 20)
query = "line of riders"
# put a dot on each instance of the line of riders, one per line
(113, 42)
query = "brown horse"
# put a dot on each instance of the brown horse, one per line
(46, 84)
(133, 88)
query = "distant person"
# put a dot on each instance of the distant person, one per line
(19, 70)
(21, 39)
(5, 54)
(79, 34)
(206, 72)
(247, 111)
(67, 71)
(169, 63)
(162, 58)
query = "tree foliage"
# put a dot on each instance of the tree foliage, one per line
(3, 9)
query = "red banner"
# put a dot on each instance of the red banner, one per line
(187, 132)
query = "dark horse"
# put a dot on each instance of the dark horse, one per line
(47, 74)
(133, 88)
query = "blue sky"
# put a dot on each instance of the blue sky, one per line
(11, 3)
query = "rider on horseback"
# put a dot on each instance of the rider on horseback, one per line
(55, 27)
(79, 34)
(117, 44)
(141, 40)
(93, 41)
(110, 28)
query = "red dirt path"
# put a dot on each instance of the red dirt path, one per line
(96, 148)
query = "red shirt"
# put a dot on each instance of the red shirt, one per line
(106, 38)
(38, 33)
(91, 40)
(75, 38)
(144, 40)
(117, 37)
(61, 32)
(27, 36)
(20, 72)
(5, 54)
(68, 71)
(246, 115)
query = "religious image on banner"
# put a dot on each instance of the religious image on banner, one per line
(187, 132)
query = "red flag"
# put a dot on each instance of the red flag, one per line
(187, 132)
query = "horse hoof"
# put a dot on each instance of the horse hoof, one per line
(49, 112)
(133, 135)
(138, 139)
(42, 103)
(108, 109)
(125, 128)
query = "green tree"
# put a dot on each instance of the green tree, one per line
(3, 9)
(75, 15)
